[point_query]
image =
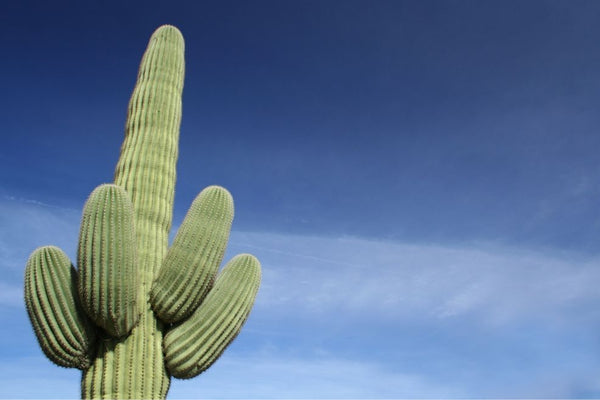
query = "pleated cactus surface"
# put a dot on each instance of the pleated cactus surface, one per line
(135, 311)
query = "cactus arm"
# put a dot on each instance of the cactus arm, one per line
(107, 260)
(189, 269)
(195, 344)
(146, 167)
(64, 334)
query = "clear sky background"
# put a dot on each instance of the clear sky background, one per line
(420, 180)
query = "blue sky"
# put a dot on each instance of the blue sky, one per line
(420, 180)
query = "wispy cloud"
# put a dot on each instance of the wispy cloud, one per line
(28, 224)
(319, 274)
(269, 376)
(455, 319)
(36, 378)
(396, 280)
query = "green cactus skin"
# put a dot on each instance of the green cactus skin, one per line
(182, 283)
(63, 331)
(106, 258)
(192, 346)
(138, 312)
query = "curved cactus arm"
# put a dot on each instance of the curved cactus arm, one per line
(62, 329)
(189, 269)
(107, 260)
(195, 344)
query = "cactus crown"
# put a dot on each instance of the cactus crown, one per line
(136, 312)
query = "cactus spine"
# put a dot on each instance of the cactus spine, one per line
(136, 312)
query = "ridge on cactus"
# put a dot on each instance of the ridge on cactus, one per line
(135, 311)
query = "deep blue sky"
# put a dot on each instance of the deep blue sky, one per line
(419, 178)
(444, 120)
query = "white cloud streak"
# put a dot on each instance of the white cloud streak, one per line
(357, 279)
(264, 376)
(28, 224)
(37, 378)
(396, 280)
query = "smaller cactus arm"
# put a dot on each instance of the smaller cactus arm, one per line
(107, 260)
(62, 329)
(195, 344)
(191, 264)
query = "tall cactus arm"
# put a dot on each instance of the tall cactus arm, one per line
(107, 260)
(190, 267)
(65, 335)
(146, 167)
(195, 344)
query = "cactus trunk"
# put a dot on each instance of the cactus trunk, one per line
(114, 317)
(146, 170)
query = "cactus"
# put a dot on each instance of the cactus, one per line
(137, 311)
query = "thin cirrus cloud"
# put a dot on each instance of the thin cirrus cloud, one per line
(341, 317)
(271, 377)
(397, 280)
(259, 377)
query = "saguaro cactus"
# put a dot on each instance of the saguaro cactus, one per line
(137, 312)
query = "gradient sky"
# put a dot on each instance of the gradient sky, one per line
(420, 180)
